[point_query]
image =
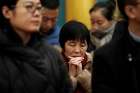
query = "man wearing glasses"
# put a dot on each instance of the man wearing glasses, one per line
(116, 66)
(49, 28)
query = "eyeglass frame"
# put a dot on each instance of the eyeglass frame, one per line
(32, 8)
(45, 18)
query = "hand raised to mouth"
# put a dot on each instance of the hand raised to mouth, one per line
(75, 66)
(75, 60)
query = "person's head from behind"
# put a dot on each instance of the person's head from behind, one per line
(130, 9)
(101, 15)
(74, 39)
(50, 14)
(21, 15)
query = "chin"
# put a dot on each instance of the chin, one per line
(34, 29)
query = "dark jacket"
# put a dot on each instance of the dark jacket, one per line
(35, 68)
(116, 66)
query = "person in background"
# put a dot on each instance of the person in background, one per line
(117, 64)
(102, 22)
(27, 66)
(74, 39)
(49, 27)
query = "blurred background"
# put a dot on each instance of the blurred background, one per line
(75, 9)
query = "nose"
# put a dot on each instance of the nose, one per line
(95, 27)
(77, 50)
(49, 24)
(37, 13)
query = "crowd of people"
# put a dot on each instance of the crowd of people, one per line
(38, 56)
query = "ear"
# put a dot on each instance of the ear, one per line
(130, 11)
(7, 13)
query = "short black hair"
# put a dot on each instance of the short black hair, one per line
(107, 6)
(122, 4)
(73, 30)
(51, 4)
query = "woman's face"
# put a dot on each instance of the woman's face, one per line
(98, 21)
(74, 48)
(26, 15)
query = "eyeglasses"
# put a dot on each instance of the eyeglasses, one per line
(31, 7)
(45, 18)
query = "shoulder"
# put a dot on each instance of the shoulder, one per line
(109, 51)
(57, 29)
(89, 56)
(49, 49)
(117, 40)
(120, 29)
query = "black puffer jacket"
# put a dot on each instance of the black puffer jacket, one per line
(30, 69)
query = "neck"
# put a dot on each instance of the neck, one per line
(25, 37)
(134, 28)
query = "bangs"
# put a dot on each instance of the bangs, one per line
(74, 30)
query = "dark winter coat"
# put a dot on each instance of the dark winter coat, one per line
(34, 68)
(116, 67)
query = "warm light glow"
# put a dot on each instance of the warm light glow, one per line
(79, 10)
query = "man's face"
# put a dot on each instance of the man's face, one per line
(49, 19)
(98, 21)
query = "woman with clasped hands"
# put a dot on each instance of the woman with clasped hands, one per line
(74, 40)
